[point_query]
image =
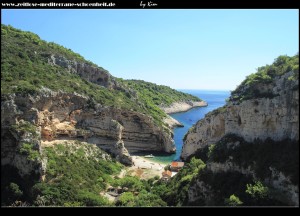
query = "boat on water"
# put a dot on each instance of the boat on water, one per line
(149, 156)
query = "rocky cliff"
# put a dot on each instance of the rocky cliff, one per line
(254, 137)
(275, 117)
(50, 95)
(85, 70)
(59, 115)
(65, 96)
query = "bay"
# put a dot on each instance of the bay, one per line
(214, 98)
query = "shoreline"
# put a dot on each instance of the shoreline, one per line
(179, 107)
(169, 120)
(145, 168)
(183, 106)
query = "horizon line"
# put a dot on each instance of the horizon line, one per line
(204, 89)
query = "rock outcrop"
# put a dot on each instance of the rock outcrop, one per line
(182, 106)
(86, 71)
(59, 115)
(260, 118)
(122, 154)
(271, 118)
(172, 123)
(20, 148)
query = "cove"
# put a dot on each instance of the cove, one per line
(214, 98)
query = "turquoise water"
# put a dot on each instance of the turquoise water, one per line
(214, 99)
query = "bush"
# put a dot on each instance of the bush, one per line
(175, 192)
(74, 177)
(91, 199)
(25, 127)
(133, 183)
(29, 150)
(257, 191)
(14, 191)
(126, 199)
(25, 69)
(284, 156)
(251, 87)
(233, 201)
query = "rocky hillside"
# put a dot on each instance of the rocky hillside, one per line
(58, 173)
(254, 136)
(64, 95)
(265, 105)
(49, 93)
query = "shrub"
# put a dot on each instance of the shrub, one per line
(14, 191)
(74, 177)
(233, 201)
(250, 87)
(257, 190)
(126, 199)
(29, 150)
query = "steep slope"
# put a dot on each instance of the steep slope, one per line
(55, 79)
(163, 97)
(72, 174)
(160, 100)
(265, 105)
(250, 146)
(49, 93)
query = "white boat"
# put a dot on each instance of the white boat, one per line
(149, 156)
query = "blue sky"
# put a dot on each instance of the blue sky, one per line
(183, 49)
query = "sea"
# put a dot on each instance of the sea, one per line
(214, 98)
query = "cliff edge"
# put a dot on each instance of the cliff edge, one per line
(252, 143)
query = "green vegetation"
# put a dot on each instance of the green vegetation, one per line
(158, 95)
(230, 188)
(210, 150)
(126, 199)
(233, 201)
(257, 191)
(175, 191)
(144, 198)
(139, 192)
(221, 186)
(25, 127)
(153, 96)
(251, 86)
(30, 150)
(131, 182)
(25, 69)
(75, 175)
(260, 155)
(267, 159)
(14, 190)
(234, 188)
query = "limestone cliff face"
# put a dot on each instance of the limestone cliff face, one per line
(260, 118)
(58, 115)
(137, 130)
(86, 71)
